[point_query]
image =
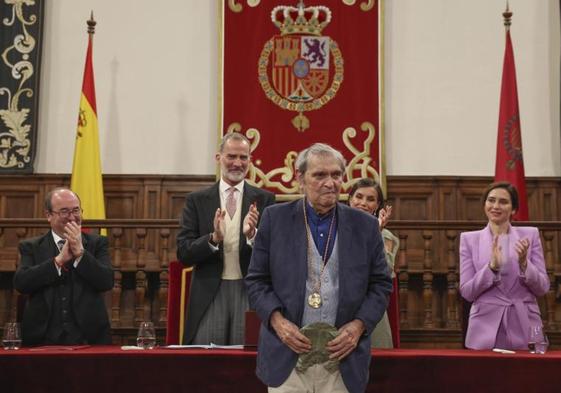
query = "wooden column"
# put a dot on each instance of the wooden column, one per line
(452, 282)
(164, 277)
(403, 279)
(117, 290)
(141, 309)
(427, 280)
(549, 317)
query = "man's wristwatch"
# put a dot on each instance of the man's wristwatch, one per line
(494, 270)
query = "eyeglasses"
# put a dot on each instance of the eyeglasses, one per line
(77, 211)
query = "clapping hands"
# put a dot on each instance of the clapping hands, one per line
(384, 216)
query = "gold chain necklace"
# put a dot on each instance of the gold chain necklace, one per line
(314, 300)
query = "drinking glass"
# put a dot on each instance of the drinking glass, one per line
(146, 338)
(536, 336)
(12, 336)
(542, 345)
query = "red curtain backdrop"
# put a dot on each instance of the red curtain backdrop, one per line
(289, 82)
(510, 163)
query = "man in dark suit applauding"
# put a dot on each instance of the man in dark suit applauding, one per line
(64, 273)
(218, 226)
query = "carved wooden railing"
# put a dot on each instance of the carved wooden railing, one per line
(427, 268)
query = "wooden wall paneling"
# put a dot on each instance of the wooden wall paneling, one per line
(548, 208)
(124, 204)
(414, 200)
(152, 209)
(402, 272)
(116, 293)
(470, 206)
(439, 302)
(128, 294)
(427, 266)
(447, 203)
(452, 278)
(549, 304)
(415, 301)
(173, 200)
(15, 202)
(428, 278)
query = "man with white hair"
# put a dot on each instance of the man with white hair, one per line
(317, 260)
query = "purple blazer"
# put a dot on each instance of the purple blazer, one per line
(504, 302)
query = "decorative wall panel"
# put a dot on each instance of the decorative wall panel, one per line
(21, 24)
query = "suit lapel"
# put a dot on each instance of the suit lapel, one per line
(213, 203)
(47, 246)
(247, 199)
(76, 283)
(299, 245)
(47, 249)
(485, 248)
(511, 257)
(344, 245)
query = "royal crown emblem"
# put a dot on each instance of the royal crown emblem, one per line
(300, 70)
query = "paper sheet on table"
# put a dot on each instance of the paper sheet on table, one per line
(211, 346)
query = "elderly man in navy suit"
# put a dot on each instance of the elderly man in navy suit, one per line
(317, 260)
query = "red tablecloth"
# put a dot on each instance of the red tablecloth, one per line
(113, 370)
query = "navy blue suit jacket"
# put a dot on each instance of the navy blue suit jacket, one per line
(276, 280)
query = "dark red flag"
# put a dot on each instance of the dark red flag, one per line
(510, 164)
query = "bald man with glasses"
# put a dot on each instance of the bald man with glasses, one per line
(64, 273)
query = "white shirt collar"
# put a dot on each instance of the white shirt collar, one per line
(56, 237)
(223, 186)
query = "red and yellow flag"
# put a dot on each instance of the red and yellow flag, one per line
(510, 163)
(86, 170)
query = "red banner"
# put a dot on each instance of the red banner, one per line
(510, 163)
(296, 74)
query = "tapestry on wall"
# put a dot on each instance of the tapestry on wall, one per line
(295, 73)
(21, 24)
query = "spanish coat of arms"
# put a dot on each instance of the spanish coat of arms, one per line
(300, 69)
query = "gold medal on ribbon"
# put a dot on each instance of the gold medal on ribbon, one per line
(314, 300)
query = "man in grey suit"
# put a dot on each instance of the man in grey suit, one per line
(218, 226)
(64, 273)
(317, 260)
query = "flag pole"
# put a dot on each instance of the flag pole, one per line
(507, 15)
(91, 25)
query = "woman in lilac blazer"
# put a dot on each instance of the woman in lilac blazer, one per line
(502, 271)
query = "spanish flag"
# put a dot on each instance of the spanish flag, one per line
(86, 170)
